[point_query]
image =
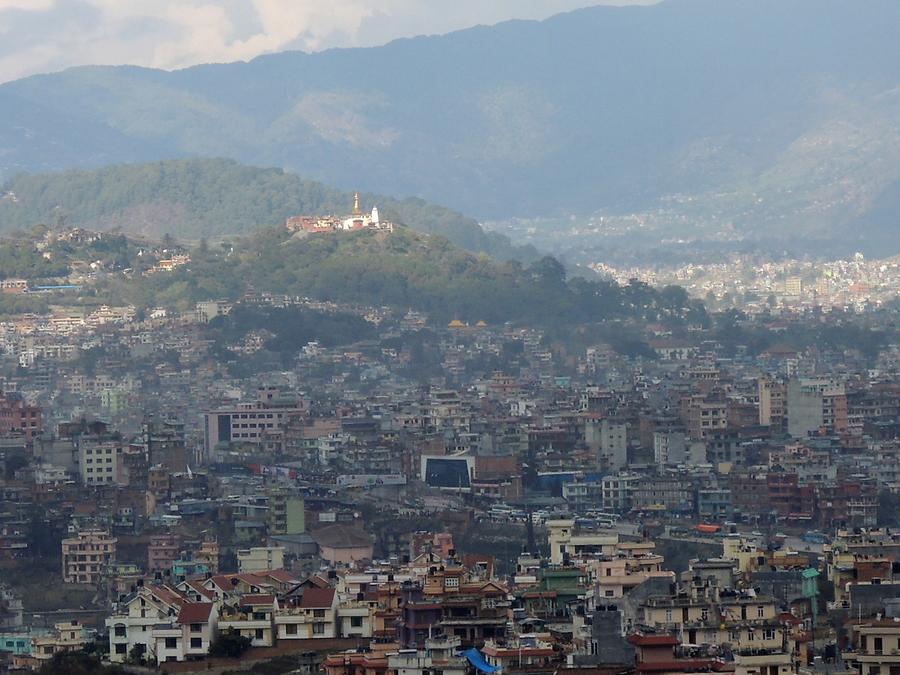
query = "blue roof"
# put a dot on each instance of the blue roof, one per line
(476, 658)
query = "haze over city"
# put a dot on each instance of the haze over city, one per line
(407, 337)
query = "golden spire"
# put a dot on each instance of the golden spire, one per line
(357, 211)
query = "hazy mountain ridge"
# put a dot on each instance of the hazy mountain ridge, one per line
(601, 108)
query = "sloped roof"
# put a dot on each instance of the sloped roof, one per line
(253, 600)
(342, 536)
(317, 598)
(195, 612)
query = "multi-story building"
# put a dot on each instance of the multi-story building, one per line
(568, 542)
(313, 615)
(162, 551)
(772, 404)
(815, 405)
(286, 514)
(130, 626)
(608, 438)
(877, 647)
(250, 423)
(260, 558)
(17, 416)
(86, 555)
(186, 636)
(99, 460)
(252, 617)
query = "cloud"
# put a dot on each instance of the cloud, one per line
(47, 35)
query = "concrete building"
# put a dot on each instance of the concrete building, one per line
(98, 460)
(877, 647)
(669, 448)
(815, 405)
(260, 558)
(568, 542)
(86, 556)
(608, 438)
(286, 514)
(772, 404)
(250, 423)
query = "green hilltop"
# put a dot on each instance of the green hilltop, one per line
(197, 198)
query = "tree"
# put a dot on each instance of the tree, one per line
(229, 644)
(548, 270)
(136, 656)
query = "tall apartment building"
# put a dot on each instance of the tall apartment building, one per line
(86, 555)
(705, 416)
(814, 405)
(773, 404)
(286, 515)
(162, 551)
(99, 459)
(608, 438)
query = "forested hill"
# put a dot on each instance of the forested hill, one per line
(403, 270)
(210, 197)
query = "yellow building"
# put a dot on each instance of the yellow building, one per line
(877, 647)
(86, 555)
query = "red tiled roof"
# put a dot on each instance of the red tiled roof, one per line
(653, 640)
(166, 594)
(199, 588)
(223, 581)
(787, 617)
(317, 598)
(195, 612)
(281, 576)
(250, 600)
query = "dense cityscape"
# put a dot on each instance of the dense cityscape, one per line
(403, 337)
(443, 497)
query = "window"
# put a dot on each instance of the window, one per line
(120, 631)
(319, 613)
(196, 627)
(259, 633)
(451, 582)
(356, 621)
(319, 628)
(196, 643)
(769, 634)
(290, 629)
(751, 636)
(121, 648)
(760, 612)
(171, 643)
(669, 615)
(877, 645)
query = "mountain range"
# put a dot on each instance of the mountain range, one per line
(766, 117)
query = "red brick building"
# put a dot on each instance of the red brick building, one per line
(17, 416)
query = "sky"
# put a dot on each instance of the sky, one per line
(39, 36)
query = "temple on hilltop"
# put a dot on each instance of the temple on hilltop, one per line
(357, 220)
